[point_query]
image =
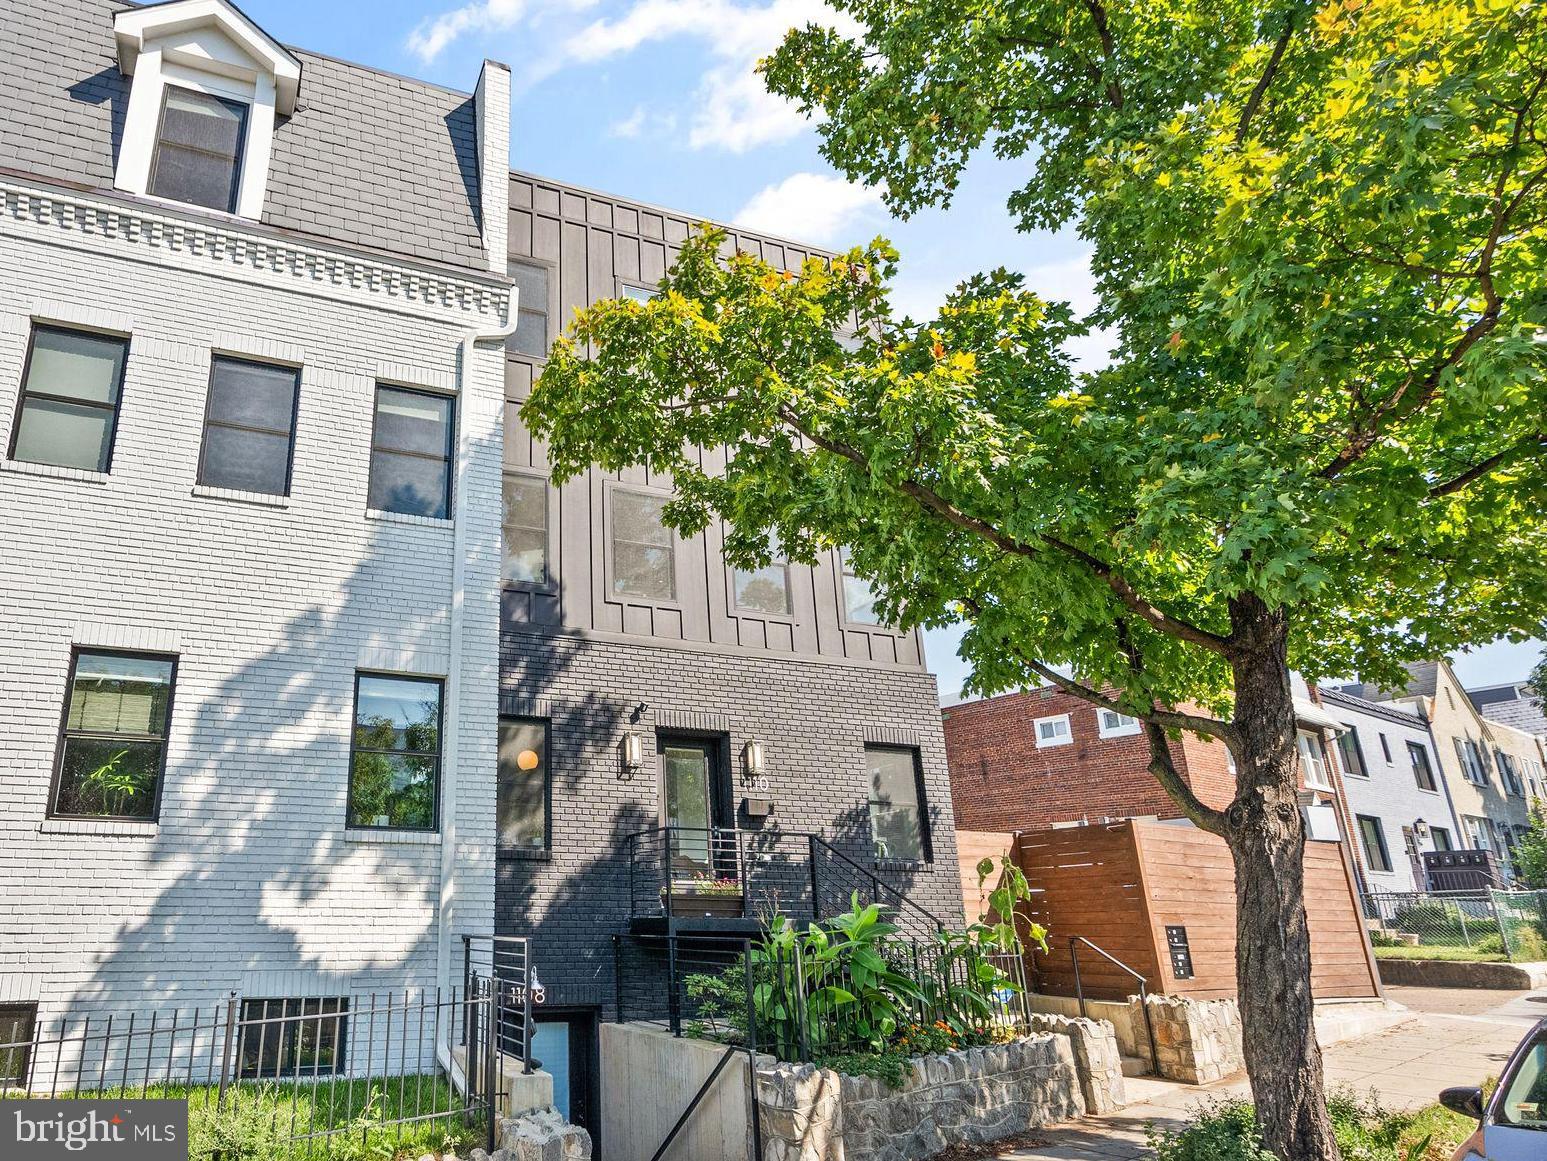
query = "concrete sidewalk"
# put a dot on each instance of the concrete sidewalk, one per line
(1406, 1066)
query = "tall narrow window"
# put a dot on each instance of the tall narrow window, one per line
(1314, 762)
(394, 776)
(1423, 772)
(285, 1039)
(525, 529)
(1373, 838)
(17, 1024)
(249, 427)
(531, 335)
(1385, 748)
(69, 399)
(523, 785)
(198, 156)
(411, 452)
(859, 599)
(897, 821)
(644, 559)
(767, 589)
(1352, 753)
(113, 750)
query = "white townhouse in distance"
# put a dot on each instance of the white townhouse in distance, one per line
(1397, 799)
(252, 306)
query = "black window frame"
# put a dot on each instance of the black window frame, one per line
(549, 583)
(1380, 842)
(295, 411)
(285, 1025)
(355, 747)
(237, 162)
(1385, 748)
(1352, 735)
(449, 457)
(926, 837)
(550, 273)
(1416, 751)
(105, 462)
(76, 652)
(545, 851)
(16, 1063)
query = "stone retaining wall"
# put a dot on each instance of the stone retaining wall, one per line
(1196, 1041)
(537, 1136)
(973, 1095)
(1097, 1059)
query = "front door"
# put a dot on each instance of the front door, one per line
(689, 802)
(565, 1043)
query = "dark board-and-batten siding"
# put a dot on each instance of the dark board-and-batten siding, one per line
(591, 244)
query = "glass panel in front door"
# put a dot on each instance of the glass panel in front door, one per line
(687, 768)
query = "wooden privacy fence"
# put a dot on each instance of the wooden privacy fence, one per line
(1160, 897)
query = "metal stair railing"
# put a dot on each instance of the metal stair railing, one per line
(1079, 990)
(903, 905)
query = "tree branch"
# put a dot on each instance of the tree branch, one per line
(1098, 16)
(1261, 90)
(928, 498)
(1479, 470)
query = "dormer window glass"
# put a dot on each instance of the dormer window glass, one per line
(198, 158)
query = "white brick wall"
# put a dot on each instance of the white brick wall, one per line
(271, 607)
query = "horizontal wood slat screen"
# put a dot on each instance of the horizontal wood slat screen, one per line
(1120, 885)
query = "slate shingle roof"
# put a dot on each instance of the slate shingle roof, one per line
(369, 160)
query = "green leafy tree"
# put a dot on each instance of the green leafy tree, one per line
(1318, 235)
(1531, 850)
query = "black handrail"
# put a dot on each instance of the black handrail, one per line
(876, 881)
(1079, 990)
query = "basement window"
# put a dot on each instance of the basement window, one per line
(293, 1038)
(18, 1023)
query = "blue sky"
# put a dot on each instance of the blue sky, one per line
(656, 99)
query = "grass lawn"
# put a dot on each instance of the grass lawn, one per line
(1463, 954)
(263, 1120)
(1445, 1130)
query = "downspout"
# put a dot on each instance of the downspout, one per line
(451, 752)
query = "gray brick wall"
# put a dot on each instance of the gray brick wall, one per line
(814, 718)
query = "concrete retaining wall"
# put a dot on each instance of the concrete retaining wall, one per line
(648, 1078)
(1438, 973)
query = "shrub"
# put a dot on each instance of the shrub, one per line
(1226, 1131)
(1490, 945)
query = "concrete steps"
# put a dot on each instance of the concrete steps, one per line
(1135, 1066)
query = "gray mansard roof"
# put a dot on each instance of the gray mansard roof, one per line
(369, 160)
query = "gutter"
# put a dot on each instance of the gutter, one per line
(451, 743)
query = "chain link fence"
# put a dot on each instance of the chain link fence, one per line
(1509, 925)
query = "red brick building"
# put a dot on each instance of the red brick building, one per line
(1024, 761)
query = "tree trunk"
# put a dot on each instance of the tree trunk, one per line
(1266, 835)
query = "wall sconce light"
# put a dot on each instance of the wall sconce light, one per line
(754, 760)
(1420, 828)
(633, 752)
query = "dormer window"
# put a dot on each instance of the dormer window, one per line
(198, 156)
(208, 87)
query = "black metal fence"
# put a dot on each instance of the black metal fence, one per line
(350, 1076)
(800, 1004)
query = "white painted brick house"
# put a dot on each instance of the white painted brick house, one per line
(237, 866)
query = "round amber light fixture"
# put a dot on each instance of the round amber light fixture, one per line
(527, 759)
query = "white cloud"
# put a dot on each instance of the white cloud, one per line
(817, 207)
(731, 108)
(631, 126)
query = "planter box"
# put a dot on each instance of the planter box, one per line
(692, 904)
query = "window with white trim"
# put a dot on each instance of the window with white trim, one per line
(1111, 724)
(207, 88)
(1054, 731)
(1313, 760)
